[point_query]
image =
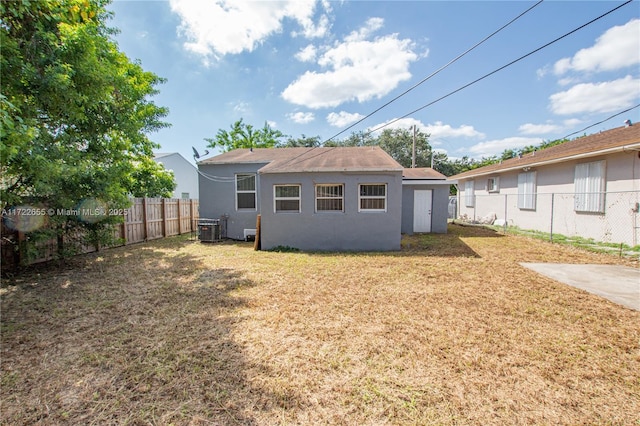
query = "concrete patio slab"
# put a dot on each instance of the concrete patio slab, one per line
(620, 284)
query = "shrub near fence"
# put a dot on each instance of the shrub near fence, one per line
(556, 215)
(146, 219)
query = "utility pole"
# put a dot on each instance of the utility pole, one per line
(413, 155)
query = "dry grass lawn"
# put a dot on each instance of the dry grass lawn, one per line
(451, 330)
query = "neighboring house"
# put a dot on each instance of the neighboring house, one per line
(344, 198)
(587, 187)
(185, 173)
(425, 194)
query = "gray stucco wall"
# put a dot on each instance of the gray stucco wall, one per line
(439, 206)
(218, 196)
(332, 231)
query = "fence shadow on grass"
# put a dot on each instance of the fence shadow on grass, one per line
(137, 334)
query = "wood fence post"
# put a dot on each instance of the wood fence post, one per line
(179, 218)
(144, 218)
(191, 215)
(124, 228)
(22, 249)
(164, 218)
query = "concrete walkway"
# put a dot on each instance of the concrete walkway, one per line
(620, 284)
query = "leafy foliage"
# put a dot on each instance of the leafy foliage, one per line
(244, 135)
(303, 141)
(75, 113)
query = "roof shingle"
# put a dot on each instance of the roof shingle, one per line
(324, 159)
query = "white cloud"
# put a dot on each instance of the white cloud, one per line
(597, 97)
(343, 118)
(372, 25)
(435, 131)
(217, 28)
(403, 123)
(441, 130)
(301, 117)
(242, 107)
(539, 129)
(356, 69)
(495, 147)
(549, 127)
(272, 124)
(308, 54)
(312, 30)
(617, 48)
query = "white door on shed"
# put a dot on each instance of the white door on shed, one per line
(422, 210)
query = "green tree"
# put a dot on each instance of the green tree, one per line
(150, 179)
(303, 141)
(355, 139)
(399, 144)
(75, 115)
(244, 135)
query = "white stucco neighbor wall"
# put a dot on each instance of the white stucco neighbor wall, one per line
(186, 174)
(555, 200)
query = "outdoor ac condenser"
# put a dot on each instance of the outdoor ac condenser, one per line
(209, 230)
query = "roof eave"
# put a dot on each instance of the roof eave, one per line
(428, 182)
(343, 170)
(629, 147)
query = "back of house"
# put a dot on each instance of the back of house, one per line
(327, 199)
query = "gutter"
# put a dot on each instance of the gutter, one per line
(428, 182)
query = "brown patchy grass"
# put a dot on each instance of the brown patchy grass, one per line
(451, 330)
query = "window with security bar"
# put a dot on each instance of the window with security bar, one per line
(330, 198)
(372, 198)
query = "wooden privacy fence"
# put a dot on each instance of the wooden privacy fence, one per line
(146, 219)
(151, 218)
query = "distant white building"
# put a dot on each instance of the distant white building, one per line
(186, 174)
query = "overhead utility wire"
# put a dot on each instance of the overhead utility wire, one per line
(600, 122)
(501, 68)
(435, 72)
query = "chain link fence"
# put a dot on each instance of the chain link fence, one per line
(557, 215)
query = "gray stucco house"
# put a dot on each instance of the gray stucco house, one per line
(345, 198)
(325, 199)
(425, 197)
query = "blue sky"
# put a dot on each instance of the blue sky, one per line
(315, 67)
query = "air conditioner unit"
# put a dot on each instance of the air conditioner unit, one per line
(209, 230)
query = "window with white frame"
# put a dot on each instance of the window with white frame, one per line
(493, 184)
(469, 196)
(185, 195)
(589, 185)
(527, 191)
(245, 191)
(372, 197)
(286, 198)
(329, 198)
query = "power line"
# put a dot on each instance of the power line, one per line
(600, 122)
(501, 68)
(435, 72)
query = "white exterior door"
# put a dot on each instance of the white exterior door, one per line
(422, 210)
